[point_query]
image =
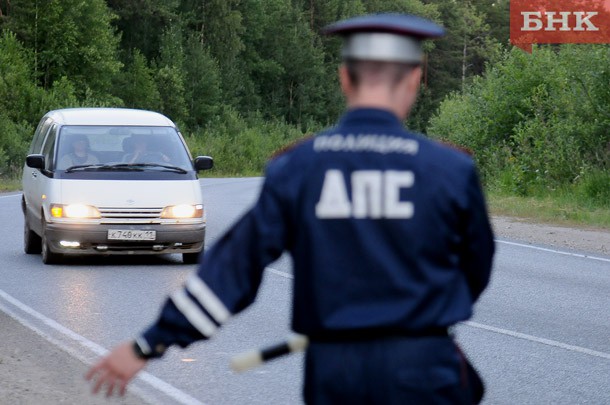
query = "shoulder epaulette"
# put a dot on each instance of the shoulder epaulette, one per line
(290, 146)
(457, 147)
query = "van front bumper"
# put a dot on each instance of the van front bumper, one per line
(82, 239)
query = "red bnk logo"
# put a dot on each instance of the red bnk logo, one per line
(559, 22)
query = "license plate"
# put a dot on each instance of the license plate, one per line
(131, 234)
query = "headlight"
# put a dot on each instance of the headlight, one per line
(182, 211)
(74, 211)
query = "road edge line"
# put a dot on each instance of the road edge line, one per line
(155, 382)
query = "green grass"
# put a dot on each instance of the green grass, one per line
(561, 209)
(7, 185)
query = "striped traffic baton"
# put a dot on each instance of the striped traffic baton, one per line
(248, 360)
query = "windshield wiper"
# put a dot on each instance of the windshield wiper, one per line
(166, 167)
(100, 167)
(125, 167)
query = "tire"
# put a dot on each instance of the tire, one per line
(32, 244)
(190, 258)
(48, 257)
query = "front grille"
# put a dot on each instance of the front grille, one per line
(130, 215)
(131, 212)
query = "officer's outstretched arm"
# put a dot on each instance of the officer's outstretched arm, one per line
(228, 278)
(226, 283)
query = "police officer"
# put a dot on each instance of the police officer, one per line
(389, 235)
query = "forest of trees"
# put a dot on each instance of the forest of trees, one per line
(244, 77)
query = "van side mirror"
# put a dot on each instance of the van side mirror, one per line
(203, 163)
(35, 161)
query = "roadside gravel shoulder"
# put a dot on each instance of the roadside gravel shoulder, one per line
(593, 241)
(34, 371)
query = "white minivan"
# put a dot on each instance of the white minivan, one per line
(111, 181)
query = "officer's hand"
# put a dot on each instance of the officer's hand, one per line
(115, 370)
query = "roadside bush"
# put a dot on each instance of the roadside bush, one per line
(241, 146)
(13, 145)
(19, 96)
(534, 121)
(595, 186)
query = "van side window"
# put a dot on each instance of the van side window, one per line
(48, 149)
(39, 135)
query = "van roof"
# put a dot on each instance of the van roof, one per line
(109, 116)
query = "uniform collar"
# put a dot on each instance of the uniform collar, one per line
(370, 116)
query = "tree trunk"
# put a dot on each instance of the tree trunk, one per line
(36, 44)
(201, 33)
(311, 12)
(464, 67)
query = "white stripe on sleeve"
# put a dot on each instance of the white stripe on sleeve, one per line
(144, 346)
(207, 299)
(193, 313)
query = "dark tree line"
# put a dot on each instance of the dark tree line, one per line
(188, 58)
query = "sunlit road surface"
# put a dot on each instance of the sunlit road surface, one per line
(540, 334)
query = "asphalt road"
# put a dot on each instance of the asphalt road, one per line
(540, 335)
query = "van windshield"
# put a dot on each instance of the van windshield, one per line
(121, 146)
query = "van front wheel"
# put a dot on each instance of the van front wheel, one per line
(31, 241)
(48, 257)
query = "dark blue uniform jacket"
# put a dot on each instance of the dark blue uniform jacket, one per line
(388, 231)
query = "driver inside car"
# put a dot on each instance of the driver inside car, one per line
(141, 152)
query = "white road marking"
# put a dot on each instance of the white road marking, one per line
(560, 252)
(154, 382)
(536, 339)
(280, 273)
